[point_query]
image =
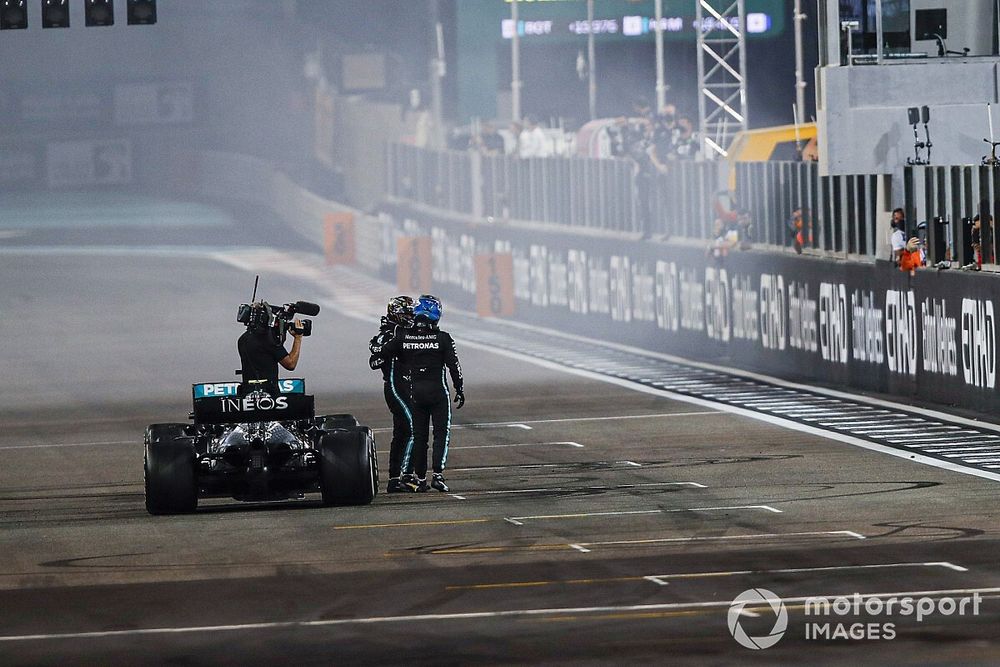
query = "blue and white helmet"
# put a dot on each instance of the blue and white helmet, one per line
(428, 306)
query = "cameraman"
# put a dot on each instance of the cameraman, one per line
(262, 348)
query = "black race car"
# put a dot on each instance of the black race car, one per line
(251, 443)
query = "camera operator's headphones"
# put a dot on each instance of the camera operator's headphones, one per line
(261, 317)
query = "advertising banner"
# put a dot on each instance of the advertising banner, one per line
(495, 284)
(870, 326)
(338, 238)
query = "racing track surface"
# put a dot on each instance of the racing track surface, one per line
(587, 522)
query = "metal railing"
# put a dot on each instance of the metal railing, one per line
(839, 213)
(584, 192)
(948, 199)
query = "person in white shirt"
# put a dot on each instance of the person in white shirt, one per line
(533, 142)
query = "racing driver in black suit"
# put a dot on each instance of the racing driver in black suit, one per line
(399, 313)
(426, 351)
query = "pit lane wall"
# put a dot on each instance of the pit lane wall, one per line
(864, 325)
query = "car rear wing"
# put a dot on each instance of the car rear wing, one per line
(238, 403)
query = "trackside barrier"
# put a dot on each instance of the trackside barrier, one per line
(865, 325)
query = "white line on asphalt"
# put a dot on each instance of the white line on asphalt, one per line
(519, 425)
(138, 441)
(580, 548)
(517, 520)
(791, 570)
(520, 444)
(473, 615)
(711, 538)
(456, 496)
(659, 415)
(532, 466)
(616, 487)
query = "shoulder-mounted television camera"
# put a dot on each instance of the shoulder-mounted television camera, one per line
(260, 315)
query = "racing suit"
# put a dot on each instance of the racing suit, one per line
(396, 388)
(426, 351)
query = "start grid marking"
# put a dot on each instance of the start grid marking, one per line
(927, 437)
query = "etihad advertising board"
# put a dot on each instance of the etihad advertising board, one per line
(932, 335)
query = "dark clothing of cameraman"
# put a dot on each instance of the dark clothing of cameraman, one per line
(396, 389)
(426, 351)
(260, 354)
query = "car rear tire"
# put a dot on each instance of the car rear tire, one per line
(333, 422)
(348, 467)
(169, 470)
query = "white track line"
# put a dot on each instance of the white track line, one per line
(137, 441)
(656, 578)
(468, 616)
(563, 489)
(518, 520)
(713, 538)
(533, 466)
(659, 415)
(521, 444)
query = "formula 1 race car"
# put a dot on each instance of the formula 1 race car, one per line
(253, 444)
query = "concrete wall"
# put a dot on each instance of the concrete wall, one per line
(862, 112)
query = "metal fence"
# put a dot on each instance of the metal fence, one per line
(948, 199)
(584, 192)
(839, 213)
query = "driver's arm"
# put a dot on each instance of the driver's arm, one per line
(291, 361)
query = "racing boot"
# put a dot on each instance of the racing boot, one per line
(437, 482)
(410, 483)
(421, 485)
(396, 485)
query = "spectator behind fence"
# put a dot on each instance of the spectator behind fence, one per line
(800, 229)
(685, 143)
(725, 237)
(488, 141)
(983, 253)
(897, 239)
(912, 256)
(532, 142)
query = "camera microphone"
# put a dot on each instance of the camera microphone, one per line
(306, 308)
